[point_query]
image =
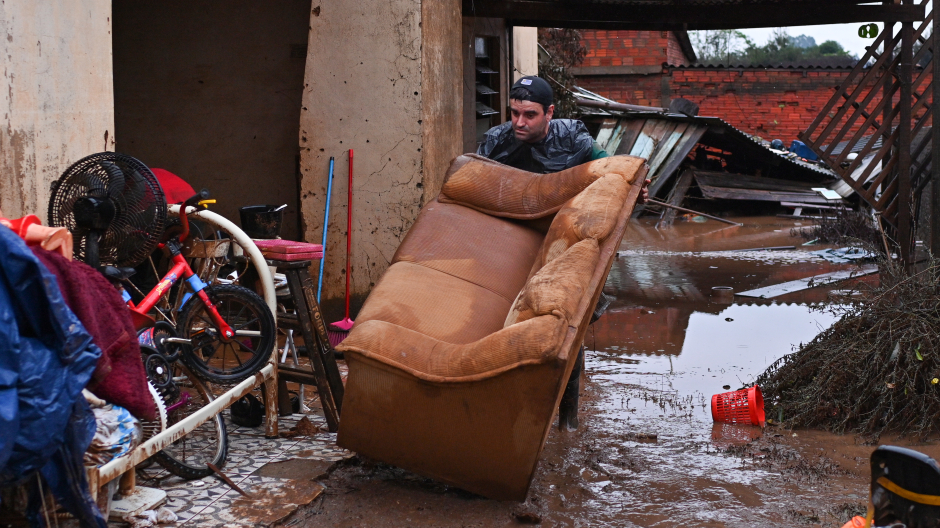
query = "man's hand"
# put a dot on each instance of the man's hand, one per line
(644, 193)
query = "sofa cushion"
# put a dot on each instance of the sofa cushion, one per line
(535, 341)
(500, 190)
(559, 286)
(491, 252)
(432, 302)
(591, 214)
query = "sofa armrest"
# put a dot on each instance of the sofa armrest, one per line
(532, 342)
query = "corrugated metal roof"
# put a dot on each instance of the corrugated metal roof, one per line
(825, 63)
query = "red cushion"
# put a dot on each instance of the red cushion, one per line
(175, 188)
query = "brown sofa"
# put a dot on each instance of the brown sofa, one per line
(460, 355)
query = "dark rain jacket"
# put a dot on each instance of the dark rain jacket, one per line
(568, 144)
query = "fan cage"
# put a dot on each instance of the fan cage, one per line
(140, 207)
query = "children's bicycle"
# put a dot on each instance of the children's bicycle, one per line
(224, 333)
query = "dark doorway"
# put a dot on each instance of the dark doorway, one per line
(211, 91)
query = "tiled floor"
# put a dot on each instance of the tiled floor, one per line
(208, 502)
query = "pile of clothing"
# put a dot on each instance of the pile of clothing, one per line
(63, 328)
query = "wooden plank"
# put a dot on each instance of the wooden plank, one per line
(666, 147)
(860, 133)
(821, 116)
(870, 119)
(769, 292)
(691, 137)
(298, 288)
(743, 181)
(615, 138)
(327, 355)
(631, 132)
(870, 77)
(606, 131)
(725, 193)
(646, 142)
(676, 197)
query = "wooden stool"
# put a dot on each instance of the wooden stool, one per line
(325, 376)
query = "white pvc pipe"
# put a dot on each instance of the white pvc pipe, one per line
(267, 282)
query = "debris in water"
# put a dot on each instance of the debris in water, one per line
(304, 427)
(643, 437)
(873, 370)
(525, 515)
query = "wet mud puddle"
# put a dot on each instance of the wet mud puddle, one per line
(664, 348)
(647, 453)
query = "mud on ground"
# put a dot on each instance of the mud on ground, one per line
(647, 453)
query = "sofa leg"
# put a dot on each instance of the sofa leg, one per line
(568, 408)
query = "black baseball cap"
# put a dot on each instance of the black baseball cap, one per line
(538, 87)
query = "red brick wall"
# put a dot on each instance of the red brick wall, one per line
(646, 90)
(769, 103)
(631, 48)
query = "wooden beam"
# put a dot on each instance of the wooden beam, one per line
(935, 140)
(676, 15)
(905, 197)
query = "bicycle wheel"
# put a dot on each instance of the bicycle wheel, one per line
(226, 361)
(189, 456)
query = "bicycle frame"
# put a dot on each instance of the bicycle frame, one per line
(181, 269)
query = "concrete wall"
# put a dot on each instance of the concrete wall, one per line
(525, 52)
(56, 99)
(380, 79)
(212, 92)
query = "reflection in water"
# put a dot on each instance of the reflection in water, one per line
(663, 349)
(706, 351)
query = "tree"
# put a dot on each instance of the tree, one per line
(563, 50)
(732, 48)
(722, 46)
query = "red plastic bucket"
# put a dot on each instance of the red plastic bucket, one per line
(739, 407)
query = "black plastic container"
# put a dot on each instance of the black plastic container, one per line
(261, 221)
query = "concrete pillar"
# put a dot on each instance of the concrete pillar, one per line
(383, 77)
(525, 52)
(56, 95)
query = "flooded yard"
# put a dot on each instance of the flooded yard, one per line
(647, 453)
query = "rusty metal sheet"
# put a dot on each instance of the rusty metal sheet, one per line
(729, 186)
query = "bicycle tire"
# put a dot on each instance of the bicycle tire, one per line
(206, 356)
(188, 457)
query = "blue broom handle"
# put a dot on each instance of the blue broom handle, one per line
(326, 223)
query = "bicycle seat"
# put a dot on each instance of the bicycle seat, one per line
(117, 274)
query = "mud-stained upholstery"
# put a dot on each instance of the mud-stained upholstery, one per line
(460, 354)
(499, 190)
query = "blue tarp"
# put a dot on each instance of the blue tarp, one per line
(46, 359)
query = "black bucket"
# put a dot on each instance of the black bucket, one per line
(261, 221)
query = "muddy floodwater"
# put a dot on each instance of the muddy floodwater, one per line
(647, 453)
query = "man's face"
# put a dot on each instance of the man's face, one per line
(530, 120)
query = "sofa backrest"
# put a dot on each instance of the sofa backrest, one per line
(500, 190)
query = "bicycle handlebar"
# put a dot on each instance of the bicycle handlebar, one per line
(193, 201)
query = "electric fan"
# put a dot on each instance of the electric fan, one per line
(114, 207)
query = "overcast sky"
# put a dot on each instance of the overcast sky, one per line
(845, 34)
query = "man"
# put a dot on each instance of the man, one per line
(534, 142)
